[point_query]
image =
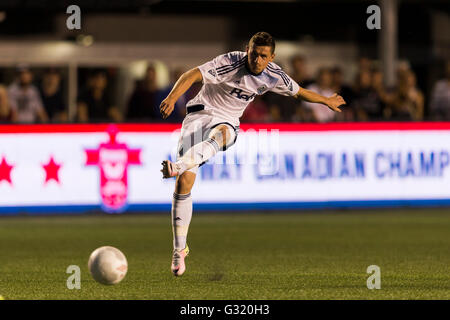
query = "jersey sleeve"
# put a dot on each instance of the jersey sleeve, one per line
(285, 86)
(215, 71)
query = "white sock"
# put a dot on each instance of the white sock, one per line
(199, 153)
(181, 218)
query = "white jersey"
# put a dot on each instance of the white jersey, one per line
(229, 86)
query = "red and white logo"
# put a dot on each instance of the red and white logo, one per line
(113, 159)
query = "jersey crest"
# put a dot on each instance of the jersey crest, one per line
(261, 89)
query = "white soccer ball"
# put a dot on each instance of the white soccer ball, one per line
(108, 265)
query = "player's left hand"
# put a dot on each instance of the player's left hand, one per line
(335, 102)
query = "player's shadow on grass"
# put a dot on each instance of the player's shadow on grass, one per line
(216, 273)
(215, 276)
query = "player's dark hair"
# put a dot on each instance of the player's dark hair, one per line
(263, 39)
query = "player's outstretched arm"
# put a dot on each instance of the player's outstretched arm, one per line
(334, 102)
(186, 80)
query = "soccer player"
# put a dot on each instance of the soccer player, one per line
(230, 82)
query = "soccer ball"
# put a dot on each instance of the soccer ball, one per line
(108, 265)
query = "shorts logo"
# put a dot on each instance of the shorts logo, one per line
(261, 90)
(290, 86)
(212, 72)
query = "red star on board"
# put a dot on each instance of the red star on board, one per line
(51, 170)
(5, 171)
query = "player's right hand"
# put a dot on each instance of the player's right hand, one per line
(166, 108)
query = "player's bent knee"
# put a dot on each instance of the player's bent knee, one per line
(221, 134)
(185, 182)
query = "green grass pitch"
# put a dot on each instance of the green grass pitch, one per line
(311, 255)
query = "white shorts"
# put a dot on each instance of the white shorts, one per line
(197, 127)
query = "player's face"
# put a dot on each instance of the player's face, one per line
(259, 57)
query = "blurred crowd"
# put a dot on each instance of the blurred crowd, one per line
(43, 100)
(368, 99)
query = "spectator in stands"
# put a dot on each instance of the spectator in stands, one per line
(142, 105)
(7, 115)
(384, 94)
(24, 98)
(366, 103)
(339, 86)
(180, 106)
(364, 64)
(276, 113)
(342, 89)
(408, 101)
(94, 104)
(378, 84)
(52, 96)
(300, 71)
(323, 87)
(403, 68)
(281, 108)
(303, 115)
(440, 97)
(257, 111)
